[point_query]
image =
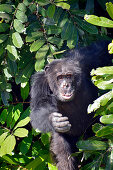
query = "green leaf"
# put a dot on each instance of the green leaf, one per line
(25, 144)
(52, 29)
(107, 119)
(39, 65)
(96, 127)
(17, 40)
(4, 27)
(102, 71)
(101, 101)
(21, 16)
(9, 159)
(35, 163)
(52, 167)
(43, 2)
(2, 137)
(21, 132)
(63, 5)
(91, 145)
(25, 91)
(12, 52)
(34, 36)
(6, 8)
(66, 31)
(36, 45)
(22, 122)
(55, 40)
(104, 85)
(3, 116)
(51, 11)
(106, 130)
(41, 53)
(3, 37)
(7, 145)
(22, 7)
(45, 138)
(19, 27)
(109, 9)
(12, 66)
(5, 16)
(86, 26)
(5, 97)
(110, 48)
(99, 21)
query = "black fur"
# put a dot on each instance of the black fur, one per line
(44, 100)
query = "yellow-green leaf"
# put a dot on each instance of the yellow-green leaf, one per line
(21, 132)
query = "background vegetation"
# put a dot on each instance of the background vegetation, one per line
(33, 33)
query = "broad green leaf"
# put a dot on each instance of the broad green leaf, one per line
(52, 29)
(96, 127)
(52, 167)
(6, 8)
(2, 137)
(43, 2)
(55, 40)
(19, 27)
(35, 163)
(17, 40)
(22, 7)
(86, 26)
(63, 5)
(21, 16)
(3, 37)
(3, 116)
(39, 65)
(101, 101)
(25, 144)
(66, 30)
(99, 21)
(5, 97)
(51, 11)
(41, 53)
(24, 75)
(22, 123)
(45, 138)
(71, 42)
(5, 16)
(109, 8)
(106, 130)
(9, 159)
(104, 85)
(34, 36)
(91, 145)
(4, 27)
(21, 132)
(102, 70)
(25, 91)
(7, 145)
(110, 47)
(12, 52)
(107, 119)
(12, 66)
(36, 45)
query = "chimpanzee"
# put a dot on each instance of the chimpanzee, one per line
(60, 96)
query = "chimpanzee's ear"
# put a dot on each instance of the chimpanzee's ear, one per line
(46, 68)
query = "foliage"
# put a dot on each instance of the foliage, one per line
(33, 33)
(100, 147)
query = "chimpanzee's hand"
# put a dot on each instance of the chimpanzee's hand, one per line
(60, 123)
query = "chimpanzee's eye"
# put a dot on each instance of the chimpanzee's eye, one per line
(68, 76)
(60, 77)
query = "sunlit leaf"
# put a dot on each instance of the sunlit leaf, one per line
(91, 145)
(22, 122)
(21, 132)
(36, 45)
(99, 21)
(17, 40)
(109, 8)
(7, 145)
